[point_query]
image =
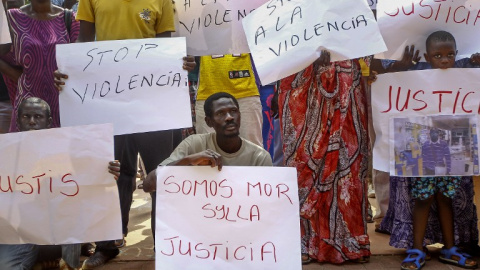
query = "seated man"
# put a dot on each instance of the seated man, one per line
(222, 147)
(34, 114)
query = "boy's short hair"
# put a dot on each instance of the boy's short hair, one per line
(34, 100)
(208, 105)
(439, 36)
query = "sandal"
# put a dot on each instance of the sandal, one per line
(415, 256)
(306, 259)
(447, 257)
(369, 215)
(87, 249)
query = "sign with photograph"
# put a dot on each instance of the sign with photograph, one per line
(237, 218)
(417, 99)
(434, 145)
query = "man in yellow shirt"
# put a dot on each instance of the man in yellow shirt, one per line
(129, 19)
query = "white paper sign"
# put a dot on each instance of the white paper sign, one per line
(372, 4)
(404, 23)
(4, 30)
(420, 93)
(287, 36)
(238, 218)
(55, 187)
(138, 85)
(214, 26)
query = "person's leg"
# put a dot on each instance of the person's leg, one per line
(18, 257)
(423, 193)
(381, 183)
(154, 147)
(445, 216)
(252, 119)
(71, 254)
(125, 182)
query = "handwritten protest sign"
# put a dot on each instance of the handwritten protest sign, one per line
(410, 22)
(4, 31)
(286, 36)
(55, 187)
(372, 4)
(138, 85)
(214, 27)
(427, 93)
(238, 218)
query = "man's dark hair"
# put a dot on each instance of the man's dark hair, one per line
(207, 107)
(439, 36)
(34, 100)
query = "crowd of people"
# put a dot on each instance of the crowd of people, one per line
(319, 118)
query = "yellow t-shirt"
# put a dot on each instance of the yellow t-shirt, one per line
(226, 73)
(127, 19)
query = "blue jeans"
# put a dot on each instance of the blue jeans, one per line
(18, 257)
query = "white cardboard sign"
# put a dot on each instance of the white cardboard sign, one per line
(404, 23)
(214, 26)
(55, 187)
(451, 92)
(138, 85)
(238, 218)
(4, 29)
(287, 36)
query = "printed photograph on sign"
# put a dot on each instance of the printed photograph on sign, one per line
(434, 145)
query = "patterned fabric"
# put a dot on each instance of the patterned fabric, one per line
(424, 187)
(324, 120)
(34, 49)
(399, 218)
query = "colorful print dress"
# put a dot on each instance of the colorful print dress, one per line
(323, 113)
(34, 44)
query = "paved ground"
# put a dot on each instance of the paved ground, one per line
(138, 253)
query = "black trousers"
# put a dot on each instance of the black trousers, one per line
(153, 147)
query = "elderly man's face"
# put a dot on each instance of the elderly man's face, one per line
(33, 116)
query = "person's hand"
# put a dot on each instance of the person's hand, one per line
(189, 63)
(475, 59)
(58, 78)
(324, 59)
(207, 157)
(114, 168)
(15, 73)
(409, 59)
(372, 77)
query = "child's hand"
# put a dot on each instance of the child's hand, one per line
(475, 59)
(409, 59)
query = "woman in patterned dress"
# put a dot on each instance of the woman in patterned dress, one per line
(323, 115)
(36, 29)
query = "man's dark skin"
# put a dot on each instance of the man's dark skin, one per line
(225, 120)
(33, 116)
